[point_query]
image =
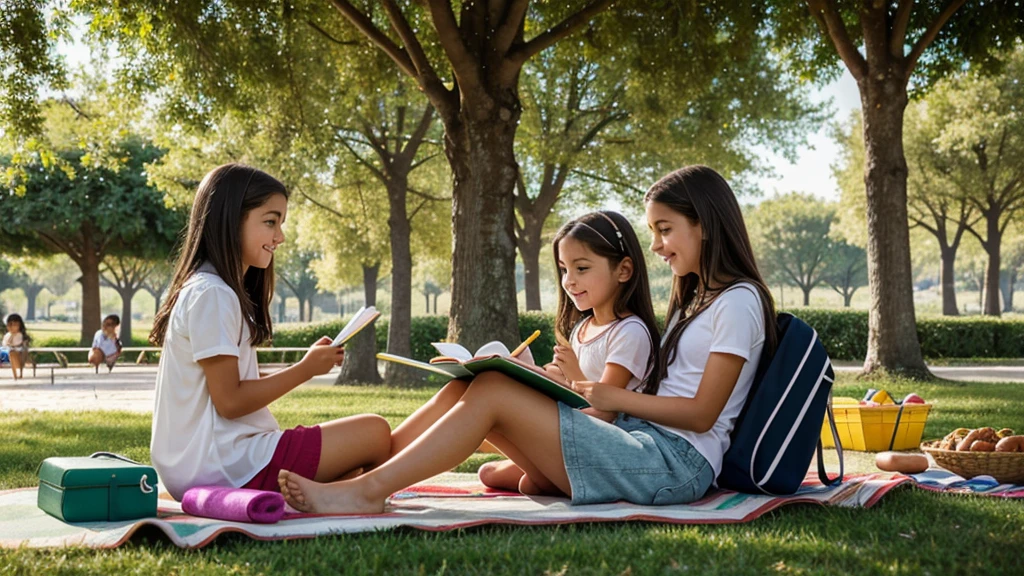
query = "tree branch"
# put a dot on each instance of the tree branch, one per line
(899, 28)
(426, 196)
(327, 35)
(608, 180)
(325, 207)
(464, 65)
(369, 166)
(510, 26)
(71, 103)
(363, 23)
(929, 35)
(564, 28)
(416, 138)
(408, 37)
(833, 27)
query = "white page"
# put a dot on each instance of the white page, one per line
(452, 350)
(363, 317)
(492, 348)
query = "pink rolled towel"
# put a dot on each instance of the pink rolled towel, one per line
(234, 504)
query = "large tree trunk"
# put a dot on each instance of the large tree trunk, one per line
(400, 324)
(478, 145)
(90, 321)
(360, 363)
(31, 293)
(947, 282)
(892, 328)
(1009, 278)
(807, 295)
(126, 295)
(993, 246)
(529, 251)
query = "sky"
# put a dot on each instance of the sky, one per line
(812, 171)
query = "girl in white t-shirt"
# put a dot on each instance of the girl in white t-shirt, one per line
(15, 344)
(211, 425)
(605, 323)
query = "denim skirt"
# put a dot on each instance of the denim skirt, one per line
(629, 459)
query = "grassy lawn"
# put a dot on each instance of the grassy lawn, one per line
(909, 531)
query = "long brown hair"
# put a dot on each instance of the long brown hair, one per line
(726, 258)
(610, 236)
(226, 194)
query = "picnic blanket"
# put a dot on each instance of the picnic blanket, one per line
(445, 502)
(940, 480)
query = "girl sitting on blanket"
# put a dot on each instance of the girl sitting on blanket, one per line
(211, 425)
(667, 444)
(605, 323)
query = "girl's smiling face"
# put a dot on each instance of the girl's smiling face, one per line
(261, 232)
(13, 327)
(675, 238)
(589, 280)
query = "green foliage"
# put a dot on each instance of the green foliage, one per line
(792, 237)
(843, 332)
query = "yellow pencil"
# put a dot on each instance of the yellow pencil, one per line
(519, 349)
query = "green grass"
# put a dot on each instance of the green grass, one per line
(909, 531)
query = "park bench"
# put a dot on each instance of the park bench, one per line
(61, 361)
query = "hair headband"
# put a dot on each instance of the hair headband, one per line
(618, 233)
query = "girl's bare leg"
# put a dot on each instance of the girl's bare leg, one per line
(353, 443)
(96, 357)
(503, 475)
(17, 364)
(507, 477)
(525, 417)
(425, 416)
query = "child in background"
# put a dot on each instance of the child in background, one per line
(16, 342)
(211, 424)
(106, 346)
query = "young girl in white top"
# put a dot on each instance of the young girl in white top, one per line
(604, 315)
(211, 425)
(666, 446)
(16, 341)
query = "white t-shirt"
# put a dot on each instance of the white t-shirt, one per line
(193, 445)
(626, 343)
(106, 345)
(14, 340)
(733, 324)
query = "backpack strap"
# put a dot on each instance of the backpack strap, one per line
(822, 474)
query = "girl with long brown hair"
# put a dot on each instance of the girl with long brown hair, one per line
(211, 425)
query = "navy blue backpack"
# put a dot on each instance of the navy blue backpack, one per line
(780, 425)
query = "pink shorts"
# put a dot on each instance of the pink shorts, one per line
(298, 451)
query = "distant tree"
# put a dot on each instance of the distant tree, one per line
(792, 234)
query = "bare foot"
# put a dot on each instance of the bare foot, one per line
(502, 475)
(342, 497)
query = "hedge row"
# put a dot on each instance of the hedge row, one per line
(844, 333)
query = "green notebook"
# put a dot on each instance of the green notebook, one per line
(515, 370)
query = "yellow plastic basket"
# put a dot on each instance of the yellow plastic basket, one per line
(869, 428)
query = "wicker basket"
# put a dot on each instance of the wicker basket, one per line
(1006, 467)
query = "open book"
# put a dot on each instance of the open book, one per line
(457, 362)
(363, 317)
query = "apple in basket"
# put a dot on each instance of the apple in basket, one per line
(913, 399)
